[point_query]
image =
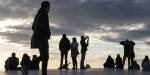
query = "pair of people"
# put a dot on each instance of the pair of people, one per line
(111, 64)
(64, 47)
(26, 63)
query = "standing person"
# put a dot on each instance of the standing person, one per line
(64, 46)
(84, 46)
(41, 34)
(128, 52)
(74, 52)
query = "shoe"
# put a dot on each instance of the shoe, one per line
(82, 68)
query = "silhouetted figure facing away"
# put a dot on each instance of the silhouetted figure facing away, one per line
(128, 52)
(41, 34)
(35, 63)
(119, 64)
(74, 52)
(135, 66)
(25, 64)
(109, 63)
(84, 46)
(11, 63)
(64, 46)
(146, 64)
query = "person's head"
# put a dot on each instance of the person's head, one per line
(82, 37)
(146, 58)
(34, 56)
(127, 40)
(13, 54)
(64, 35)
(118, 55)
(45, 5)
(109, 56)
(74, 39)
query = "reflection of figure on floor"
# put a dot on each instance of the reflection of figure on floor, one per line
(11, 63)
(119, 64)
(128, 52)
(109, 63)
(146, 64)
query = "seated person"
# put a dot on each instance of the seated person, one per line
(146, 64)
(135, 66)
(109, 62)
(25, 64)
(11, 63)
(35, 63)
(119, 63)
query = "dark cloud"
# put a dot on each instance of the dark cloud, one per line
(76, 17)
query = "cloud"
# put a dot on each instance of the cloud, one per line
(76, 17)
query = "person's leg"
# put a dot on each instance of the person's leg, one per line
(61, 61)
(82, 60)
(44, 54)
(129, 63)
(132, 59)
(124, 58)
(66, 61)
(73, 63)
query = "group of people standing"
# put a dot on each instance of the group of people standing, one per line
(65, 46)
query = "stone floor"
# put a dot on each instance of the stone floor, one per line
(80, 72)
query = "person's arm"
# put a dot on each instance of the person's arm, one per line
(133, 43)
(87, 41)
(17, 62)
(122, 42)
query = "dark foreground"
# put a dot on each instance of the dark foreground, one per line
(81, 72)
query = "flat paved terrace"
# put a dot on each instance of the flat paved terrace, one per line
(81, 72)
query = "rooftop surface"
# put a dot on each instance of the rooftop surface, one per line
(81, 72)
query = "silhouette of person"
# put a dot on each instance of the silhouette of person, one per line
(109, 63)
(74, 52)
(84, 46)
(25, 64)
(146, 64)
(12, 62)
(119, 64)
(41, 34)
(128, 52)
(64, 46)
(135, 66)
(35, 63)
